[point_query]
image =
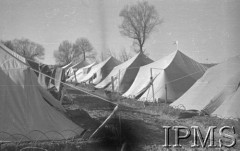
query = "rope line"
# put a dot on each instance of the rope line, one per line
(176, 80)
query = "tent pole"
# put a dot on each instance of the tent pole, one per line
(119, 72)
(151, 78)
(75, 75)
(166, 93)
(112, 83)
(104, 123)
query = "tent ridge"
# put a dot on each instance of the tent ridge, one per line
(12, 53)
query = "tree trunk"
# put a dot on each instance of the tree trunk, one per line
(141, 48)
(84, 57)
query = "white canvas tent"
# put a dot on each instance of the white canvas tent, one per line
(99, 71)
(80, 73)
(27, 110)
(67, 66)
(217, 92)
(76, 67)
(124, 74)
(173, 74)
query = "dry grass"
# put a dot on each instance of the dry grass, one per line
(152, 107)
(170, 116)
(160, 148)
(144, 119)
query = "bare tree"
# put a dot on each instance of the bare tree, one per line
(8, 43)
(106, 54)
(138, 22)
(103, 56)
(65, 53)
(68, 52)
(124, 55)
(83, 46)
(26, 48)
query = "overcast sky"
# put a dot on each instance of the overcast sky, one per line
(207, 30)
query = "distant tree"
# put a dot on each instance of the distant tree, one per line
(108, 53)
(84, 47)
(26, 48)
(74, 52)
(65, 53)
(139, 21)
(103, 56)
(124, 55)
(8, 43)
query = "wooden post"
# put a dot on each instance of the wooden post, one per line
(166, 93)
(151, 78)
(75, 75)
(119, 72)
(62, 95)
(112, 80)
(104, 123)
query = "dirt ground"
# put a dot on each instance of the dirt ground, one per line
(135, 126)
(129, 126)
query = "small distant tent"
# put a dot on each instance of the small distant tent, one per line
(209, 65)
(217, 92)
(67, 66)
(99, 71)
(27, 110)
(74, 68)
(124, 74)
(80, 73)
(172, 76)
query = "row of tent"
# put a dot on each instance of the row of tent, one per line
(28, 111)
(176, 78)
(175, 72)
